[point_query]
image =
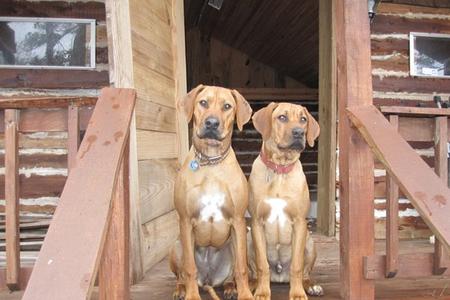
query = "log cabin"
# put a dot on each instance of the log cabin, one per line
(349, 71)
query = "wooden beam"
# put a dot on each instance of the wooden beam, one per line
(415, 111)
(279, 94)
(45, 102)
(12, 199)
(411, 265)
(25, 273)
(392, 218)
(326, 187)
(69, 259)
(426, 191)
(73, 135)
(179, 61)
(114, 272)
(441, 259)
(356, 162)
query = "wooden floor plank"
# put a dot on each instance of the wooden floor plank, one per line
(70, 256)
(429, 195)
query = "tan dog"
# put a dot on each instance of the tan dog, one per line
(211, 197)
(279, 202)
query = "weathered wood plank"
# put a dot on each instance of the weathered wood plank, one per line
(422, 186)
(326, 193)
(411, 85)
(156, 184)
(156, 117)
(400, 24)
(355, 158)
(25, 273)
(153, 145)
(84, 205)
(392, 218)
(12, 199)
(114, 270)
(280, 94)
(441, 260)
(159, 236)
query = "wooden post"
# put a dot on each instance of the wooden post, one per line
(12, 232)
(114, 275)
(441, 260)
(391, 218)
(326, 187)
(73, 133)
(355, 158)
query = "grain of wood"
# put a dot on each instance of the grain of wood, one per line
(73, 135)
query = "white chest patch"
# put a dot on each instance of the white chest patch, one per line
(277, 212)
(211, 207)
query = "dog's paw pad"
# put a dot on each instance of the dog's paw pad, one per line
(230, 294)
(315, 290)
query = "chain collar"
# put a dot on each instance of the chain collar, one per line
(204, 160)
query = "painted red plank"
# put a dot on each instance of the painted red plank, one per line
(441, 259)
(70, 256)
(114, 275)
(429, 195)
(355, 158)
(392, 218)
(415, 111)
(12, 199)
(411, 265)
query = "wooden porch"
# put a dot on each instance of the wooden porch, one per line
(159, 282)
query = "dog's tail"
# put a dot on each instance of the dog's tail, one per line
(211, 292)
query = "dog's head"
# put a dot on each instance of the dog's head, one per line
(213, 111)
(286, 127)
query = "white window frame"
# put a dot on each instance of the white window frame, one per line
(412, 69)
(58, 20)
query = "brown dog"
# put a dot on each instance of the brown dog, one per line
(211, 197)
(279, 202)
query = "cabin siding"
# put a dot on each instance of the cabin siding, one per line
(43, 155)
(393, 85)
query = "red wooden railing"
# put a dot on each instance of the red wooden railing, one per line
(89, 232)
(24, 115)
(427, 192)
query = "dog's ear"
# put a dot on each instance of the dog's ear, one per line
(243, 109)
(313, 129)
(186, 104)
(262, 120)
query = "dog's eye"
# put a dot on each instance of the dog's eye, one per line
(204, 103)
(303, 120)
(283, 118)
(226, 106)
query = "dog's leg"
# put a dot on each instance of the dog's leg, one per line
(309, 285)
(297, 291)
(240, 250)
(262, 265)
(189, 269)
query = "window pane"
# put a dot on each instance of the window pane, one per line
(432, 55)
(39, 43)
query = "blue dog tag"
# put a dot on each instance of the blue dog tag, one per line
(194, 165)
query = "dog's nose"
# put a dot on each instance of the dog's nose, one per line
(212, 123)
(298, 132)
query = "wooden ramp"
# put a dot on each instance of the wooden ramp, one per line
(427, 192)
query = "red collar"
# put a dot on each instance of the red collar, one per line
(279, 169)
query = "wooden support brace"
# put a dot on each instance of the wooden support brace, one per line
(392, 218)
(73, 133)
(114, 279)
(441, 259)
(12, 232)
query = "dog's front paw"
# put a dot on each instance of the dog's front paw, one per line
(297, 293)
(179, 294)
(315, 290)
(262, 292)
(230, 292)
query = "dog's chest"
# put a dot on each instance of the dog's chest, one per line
(277, 211)
(211, 206)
